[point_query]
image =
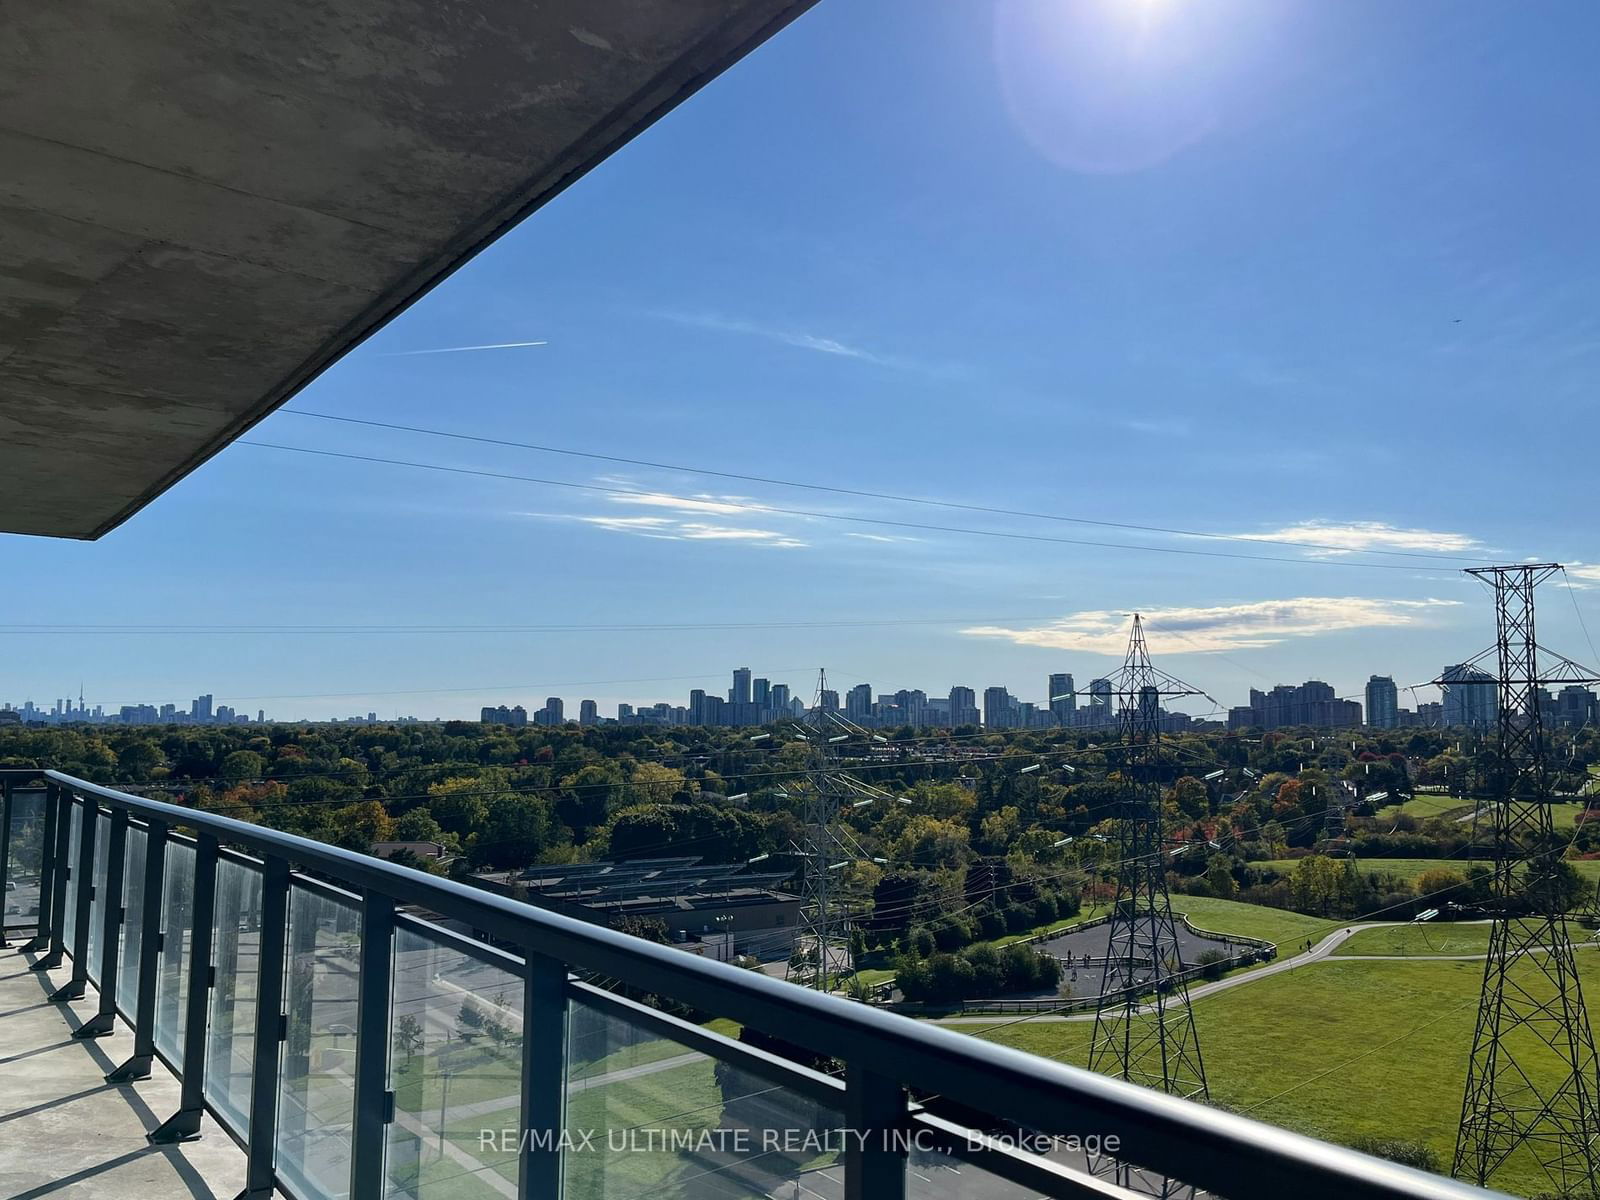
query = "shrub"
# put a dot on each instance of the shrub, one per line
(1408, 1154)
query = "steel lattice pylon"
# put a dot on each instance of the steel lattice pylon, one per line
(1143, 1027)
(822, 928)
(1532, 1081)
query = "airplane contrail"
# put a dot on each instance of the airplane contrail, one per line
(462, 349)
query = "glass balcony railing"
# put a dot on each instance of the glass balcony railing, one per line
(356, 1049)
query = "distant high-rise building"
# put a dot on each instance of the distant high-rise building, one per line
(1287, 705)
(830, 700)
(858, 702)
(624, 712)
(963, 707)
(780, 699)
(201, 709)
(999, 709)
(1430, 714)
(1063, 698)
(556, 709)
(1383, 702)
(1469, 697)
(1100, 697)
(588, 713)
(740, 693)
(761, 694)
(1575, 706)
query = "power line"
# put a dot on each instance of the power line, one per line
(862, 493)
(659, 627)
(813, 514)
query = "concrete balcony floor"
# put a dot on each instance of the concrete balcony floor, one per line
(65, 1133)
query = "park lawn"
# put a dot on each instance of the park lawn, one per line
(1425, 806)
(1410, 940)
(1409, 868)
(1337, 1050)
(1249, 920)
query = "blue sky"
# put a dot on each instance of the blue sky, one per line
(1233, 267)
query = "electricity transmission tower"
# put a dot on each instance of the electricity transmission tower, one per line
(1532, 1081)
(1143, 1027)
(829, 846)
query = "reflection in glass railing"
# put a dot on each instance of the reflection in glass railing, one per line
(131, 932)
(316, 1101)
(177, 921)
(231, 1038)
(651, 1117)
(455, 1070)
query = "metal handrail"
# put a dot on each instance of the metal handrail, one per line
(1221, 1152)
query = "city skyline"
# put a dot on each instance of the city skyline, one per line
(1466, 698)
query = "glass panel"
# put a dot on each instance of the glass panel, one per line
(131, 934)
(931, 1175)
(671, 1122)
(69, 920)
(27, 857)
(316, 1105)
(172, 983)
(231, 1037)
(455, 1068)
(97, 907)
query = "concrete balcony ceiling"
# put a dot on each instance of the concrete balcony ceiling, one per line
(204, 205)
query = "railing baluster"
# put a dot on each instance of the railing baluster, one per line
(184, 1125)
(59, 801)
(874, 1117)
(83, 898)
(540, 1174)
(374, 990)
(47, 873)
(105, 1020)
(5, 855)
(261, 1152)
(144, 1003)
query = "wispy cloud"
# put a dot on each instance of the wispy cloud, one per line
(785, 335)
(1222, 628)
(463, 349)
(1346, 537)
(724, 505)
(685, 521)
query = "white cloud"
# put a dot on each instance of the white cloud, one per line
(1226, 627)
(1346, 537)
(722, 505)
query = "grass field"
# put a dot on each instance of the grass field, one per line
(1251, 920)
(1410, 868)
(1408, 940)
(1426, 806)
(1336, 1049)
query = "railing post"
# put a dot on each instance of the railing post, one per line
(184, 1125)
(144, 1003)
(261, 1152)
(47, 873)
(58, 801)
(874, 1118)
(5, 855)
(105, 1020)
(83, 898)
(540, 1174)
(372, 1101)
